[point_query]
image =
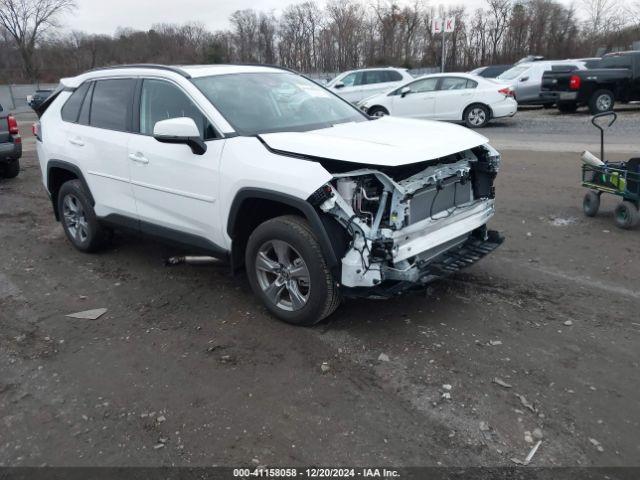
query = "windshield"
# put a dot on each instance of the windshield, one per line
(255, 103)
(512, 73)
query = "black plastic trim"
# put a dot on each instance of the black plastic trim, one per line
(194, 243)
(70, 167)
(307, 210)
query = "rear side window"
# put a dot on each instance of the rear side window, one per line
(373, 76)
(392, 76)
(616, 61)
(111, 104)
(83, 119)
(71, 108)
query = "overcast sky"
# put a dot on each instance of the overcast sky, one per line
(104, 16)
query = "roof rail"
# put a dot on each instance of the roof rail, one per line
(177, 70)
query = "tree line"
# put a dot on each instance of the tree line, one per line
(312, 38)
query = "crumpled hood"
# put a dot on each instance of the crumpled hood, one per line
(387, 141)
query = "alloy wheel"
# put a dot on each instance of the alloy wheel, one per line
(75, 219)
(477, 116)
(283, 275)
(604, 103)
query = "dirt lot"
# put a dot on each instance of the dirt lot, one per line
(186, 368)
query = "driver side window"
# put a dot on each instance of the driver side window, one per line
(161, 100)
(426, 85)
(350, 79)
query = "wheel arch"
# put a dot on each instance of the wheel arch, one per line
(59, 172)
(488, 107)
(253, 206)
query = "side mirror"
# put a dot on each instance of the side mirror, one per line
(339, 85)
(180, 130)
(524, 79)
(405, 91)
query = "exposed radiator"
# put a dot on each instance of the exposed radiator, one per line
(429, 201)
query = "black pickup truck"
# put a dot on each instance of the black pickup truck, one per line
(10, 145)
(615, 79)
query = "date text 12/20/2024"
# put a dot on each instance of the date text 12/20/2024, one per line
(315, 473)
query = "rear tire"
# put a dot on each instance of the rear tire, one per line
(78, 218)
(601, 101)
(378, 112)
(288, 272)
(476, 116)
(567, 107)
(627, 215)
(11, 169)
(591, 203)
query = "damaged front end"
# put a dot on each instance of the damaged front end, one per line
(412, 224)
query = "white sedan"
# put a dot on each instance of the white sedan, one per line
(446, 96)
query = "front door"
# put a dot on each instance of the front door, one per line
(176, 191)
(419, 102)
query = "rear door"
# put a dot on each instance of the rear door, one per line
(419, 102)
(453, 95)
(377, 81)
(176, 190)
(98, 136)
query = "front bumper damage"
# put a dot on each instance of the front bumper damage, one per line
(407, 231)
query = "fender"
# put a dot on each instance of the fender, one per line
(303, 206)
(70, 167)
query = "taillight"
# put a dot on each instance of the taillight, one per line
(507, 92)
(574, 82)
(37, 132)
(13, 125)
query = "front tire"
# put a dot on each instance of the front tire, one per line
(78, 218)
(288, 272)
(476, 116)
(378, 112)
(11, 169)
(627, 215)
(601, 101)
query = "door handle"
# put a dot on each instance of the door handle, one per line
(138, 158)
(77, 142)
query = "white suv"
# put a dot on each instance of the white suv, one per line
(263, 167)
(356, 85)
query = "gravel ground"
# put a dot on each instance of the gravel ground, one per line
(539, 340)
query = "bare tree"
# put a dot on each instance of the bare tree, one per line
(26, 21)
(499, 11)
(603, 16)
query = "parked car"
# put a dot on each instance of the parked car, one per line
(10, 145)
(314, 197)
(490, 71)
(356, 85)
(526, 79)
(35, 100)
(616, 78)
(458, 97)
